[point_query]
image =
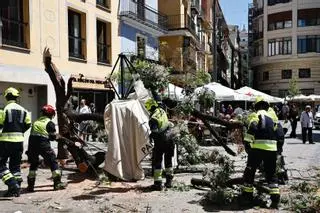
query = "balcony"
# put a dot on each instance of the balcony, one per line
(257, 12)
(195, 6)
(145, 15)
(274, 2)
(182, 22)
(13, 32)
(257, 36)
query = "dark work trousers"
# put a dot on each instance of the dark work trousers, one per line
(293, 128)
(255, 158)
(304, 134)
(12, 151)
(162, 146)
(41, 146)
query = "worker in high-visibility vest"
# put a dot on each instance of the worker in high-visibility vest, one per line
(262, 137)
(163, 144)
(14, 122)
(42, 132)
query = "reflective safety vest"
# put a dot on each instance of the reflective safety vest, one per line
(39, 127)
(161, 118)
(261, 132)
(15, 120)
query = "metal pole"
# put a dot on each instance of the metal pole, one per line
(122, 75)
(214, 49)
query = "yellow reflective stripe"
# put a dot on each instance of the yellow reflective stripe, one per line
(248, 137)
(157, 175)
(56, 173)
(9, 115)
(27, 120)
(22, 116)
(32, 174)
(6, 177)
(11, 136)
(247, 189)
(268, 145)
(169, 171)
(273, 191)
(2, 117)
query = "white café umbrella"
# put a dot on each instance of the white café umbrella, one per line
(223, 93)
(254, 93)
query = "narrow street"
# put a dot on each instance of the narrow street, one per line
(83, 195)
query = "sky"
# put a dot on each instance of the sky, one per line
(235, 11)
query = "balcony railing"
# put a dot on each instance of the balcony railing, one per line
(179, 22)
(257, 12)
(76, 47)
(144, 14)
(195, 5)
(274, 2)
(258, 35)
(103, 51)
(13, 32)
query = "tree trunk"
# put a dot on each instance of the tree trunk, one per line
(66, 118)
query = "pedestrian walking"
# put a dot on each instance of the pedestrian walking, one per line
(14, 122)
(43, 131)
(306, 120)
(285, 111)
(293, 117)
(163, 144)
(83, 109)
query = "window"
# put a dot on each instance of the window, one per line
(309, 44)
(103, 42)
(288, 24)
(265, 76)
(258, 48)
(283, 93)
(105, 4)
(281, 46)
(286, 74)
(307, 91)
(141, 47)
(77, 42)
(305, 73)
(309, 17)
(14, 15)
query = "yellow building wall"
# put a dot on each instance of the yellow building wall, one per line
(48, 24)
(171, 51)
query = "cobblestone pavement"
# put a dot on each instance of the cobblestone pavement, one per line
(83, 195)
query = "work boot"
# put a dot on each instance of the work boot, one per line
(31, 182)
(275, 200)
(57, 184)
(157, 186)
(246, 199)
(169, 179)
(13, 191)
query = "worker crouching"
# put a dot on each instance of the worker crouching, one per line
(43, 131)
(163, 144)
(262, 138)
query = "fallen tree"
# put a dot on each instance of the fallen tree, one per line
(67, 141)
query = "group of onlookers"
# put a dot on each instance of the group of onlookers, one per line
(289, 113)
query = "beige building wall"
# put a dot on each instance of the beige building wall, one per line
(49, 27)
(275, 64)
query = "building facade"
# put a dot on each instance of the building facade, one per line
(140, 27)
(285, 45)
(83, 40)
(185, 46)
